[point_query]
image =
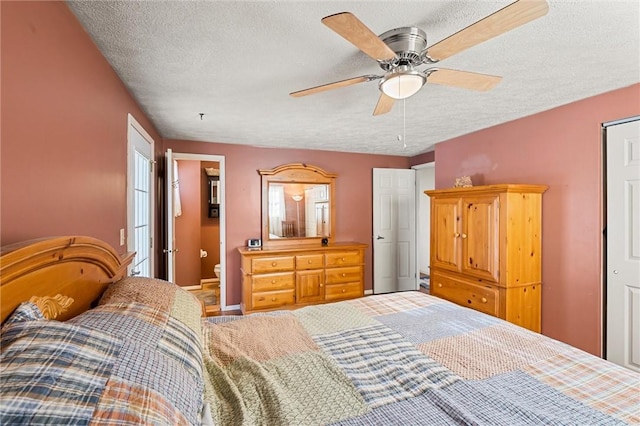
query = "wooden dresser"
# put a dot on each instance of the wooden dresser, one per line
(293, 276)
(486, 250)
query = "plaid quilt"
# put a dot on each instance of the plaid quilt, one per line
(405, 358)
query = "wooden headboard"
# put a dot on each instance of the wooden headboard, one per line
(75, 267)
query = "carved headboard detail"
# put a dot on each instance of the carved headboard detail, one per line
(50, 306)
(76, 268)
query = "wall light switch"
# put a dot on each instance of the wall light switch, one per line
(122, 239)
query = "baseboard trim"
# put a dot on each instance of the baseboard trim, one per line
(368, 292)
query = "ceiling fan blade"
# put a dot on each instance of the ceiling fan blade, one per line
(354, 31)
(505, 19)
(334, 85)
(384, 105)
(463, 79)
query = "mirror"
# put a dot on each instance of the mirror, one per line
(298, 205)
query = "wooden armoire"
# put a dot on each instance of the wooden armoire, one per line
(486, 246)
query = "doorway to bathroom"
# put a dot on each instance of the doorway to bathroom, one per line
(196, 226)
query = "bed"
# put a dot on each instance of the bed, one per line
(137, 351)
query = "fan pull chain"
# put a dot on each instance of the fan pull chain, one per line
(403, 136)
(404, 124)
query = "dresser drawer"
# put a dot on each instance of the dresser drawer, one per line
(272, 264)
(310, 261)
(273, 299)
(343, 275)
(340, 258)
(481, 298)
(270, 282)
(343, 291)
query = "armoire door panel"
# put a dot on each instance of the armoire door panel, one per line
(480, 237)
(445, 234)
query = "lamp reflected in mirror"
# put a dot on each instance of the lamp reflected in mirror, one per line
(297, 198)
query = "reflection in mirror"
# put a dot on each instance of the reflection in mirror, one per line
(298, 210)
(298, 205)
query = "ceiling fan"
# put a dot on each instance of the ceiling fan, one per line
(401, 50)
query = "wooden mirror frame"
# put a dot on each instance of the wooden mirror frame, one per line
(302, 174)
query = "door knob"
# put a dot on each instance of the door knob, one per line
(379, 238)
(615, 271)
(134, 273)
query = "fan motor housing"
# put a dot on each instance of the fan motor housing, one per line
(409, 43)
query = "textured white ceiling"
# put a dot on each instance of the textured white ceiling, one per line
(237, 61)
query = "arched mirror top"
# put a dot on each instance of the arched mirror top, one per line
(298, 205)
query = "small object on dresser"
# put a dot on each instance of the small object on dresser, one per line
(463, 182)
(325, 242)
(254, 242)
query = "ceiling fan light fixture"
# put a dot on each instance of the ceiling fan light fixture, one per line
(402, 83)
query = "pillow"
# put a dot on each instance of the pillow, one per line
(26, 311)
(158, 294)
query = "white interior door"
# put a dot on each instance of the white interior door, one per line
(170, 246)
(394, 230)
(140, 195)
(623, 244)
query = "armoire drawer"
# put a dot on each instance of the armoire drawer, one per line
(481, 298)
(310, 261)
(343, 258)
(273, 299)
(343, 275)
(272, 264)
(343, 291)
(271, 282)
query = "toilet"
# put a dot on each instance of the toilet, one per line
(216, 270)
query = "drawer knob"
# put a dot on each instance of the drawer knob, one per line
(273, 299)
(344, 290)
(483, 300)
(440, 285)
(273, 281)
(260, 299)
(321, 284)
(342, 259)
(274, 263)
(464, 236)
(456, 234)
(344, 275)
(309, 262)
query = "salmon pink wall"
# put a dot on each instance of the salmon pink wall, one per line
(560, 148)
(64, 129)
(243, 194)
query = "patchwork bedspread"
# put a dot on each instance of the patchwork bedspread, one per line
(405, 358)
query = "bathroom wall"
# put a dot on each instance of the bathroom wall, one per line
(187, 225)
